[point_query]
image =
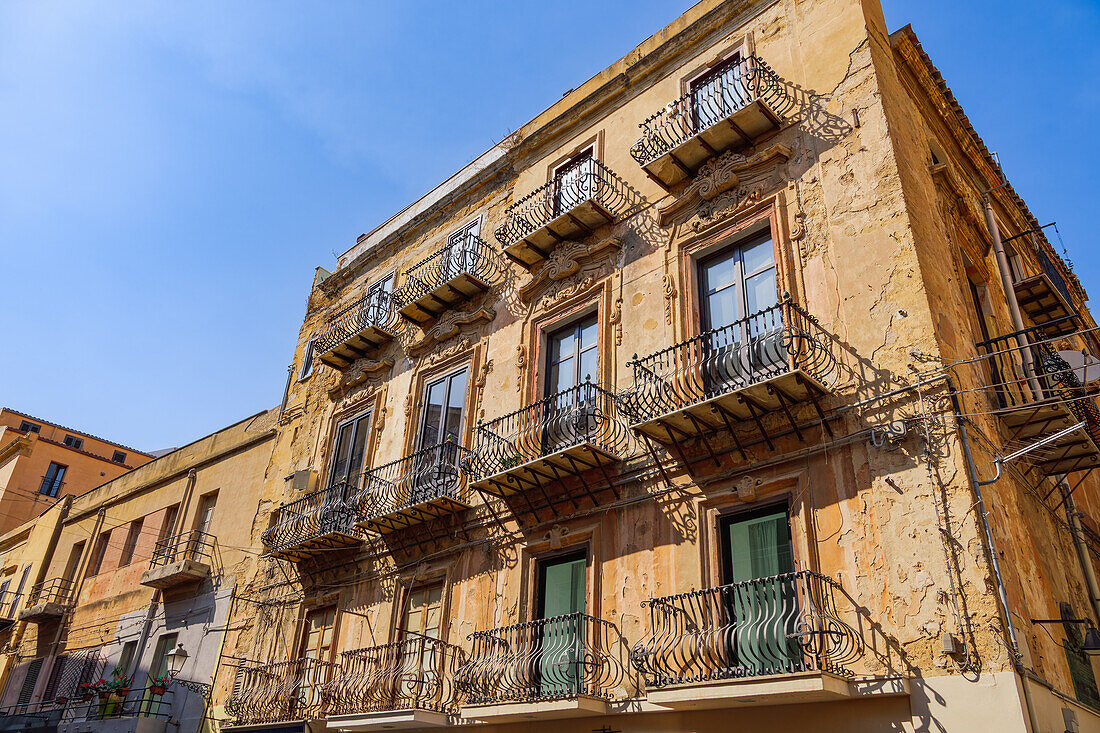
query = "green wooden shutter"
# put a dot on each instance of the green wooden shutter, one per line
(561, 640)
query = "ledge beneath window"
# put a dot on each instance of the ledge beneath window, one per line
(388, 720)
(512, 712)
(785, 689)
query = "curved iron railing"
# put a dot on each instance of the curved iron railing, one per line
(585, 414)
(762, 346)
(280, 691)
(711, 100)
(376, 308)
(192, 545)
(470, 255)
(588, 180)
(55, 590)
(1051, 375)
(416, 673)
(322, 513)
(554, 658)
(428, 474)
(779, 625)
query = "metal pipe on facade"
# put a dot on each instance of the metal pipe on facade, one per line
(1010, 294)
(1082, 552)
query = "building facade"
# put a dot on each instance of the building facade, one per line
(125, 574)
(737, 380)
(41, 462)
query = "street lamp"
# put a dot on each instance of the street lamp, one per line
(1090, 644)
(175, 660)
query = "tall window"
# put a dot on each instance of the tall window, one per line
(205, 516)
(574, 182)
(572, 355)
(318, 645)
(444, 400)
(718, 93)
(349, 450)
(132, 535)
(561, 602)
(378, 301)
(307, 359)
(737, 282)
(53, 480)
(73, 563)
(756, 546)
(154, 704)
(98, 552)
(420, 656)
(461, 250)
(169, 522)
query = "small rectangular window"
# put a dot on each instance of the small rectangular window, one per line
(74, 442)
(29, 427)
(53, 480)
(307, 360)
(98, 553)
(132, 535)
(119, 457)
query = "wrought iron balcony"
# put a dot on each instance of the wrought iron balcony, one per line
(358, 330)
(48, 600)
(568, 434)
(459, 271)
(180, 560)
(1045, 298)
(567, 657)
(409, 683)
(782, 625)
(279, 692)
(1040, 395)
(577, 202)
(733, 106)
(316, 523)
(420, 487)
(770, 361)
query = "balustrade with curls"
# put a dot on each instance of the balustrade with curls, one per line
(777, 625)
(319, 521)
(464, 267)
(417, 488)
(735, 103)
(582, 196)
(415, 673)
(565, 434)
(359, 329)
(567, 656)
(280, 691)
(764, 362)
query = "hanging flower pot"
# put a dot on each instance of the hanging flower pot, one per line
(122, 692)
(158, 689)
(87, 697)
(61, 700)
(104, 695)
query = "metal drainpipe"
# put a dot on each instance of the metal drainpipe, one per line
(1082, 553)
(991, 551)
(1010, 294)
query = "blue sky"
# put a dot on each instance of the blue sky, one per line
(171, 173)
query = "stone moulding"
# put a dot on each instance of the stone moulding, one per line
(360, 371)
(563, 262)
(723, 184)
(447, 327)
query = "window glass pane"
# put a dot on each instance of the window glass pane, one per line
(722, 308)
(589, 332)
(720, 273)
(433, 413)
(588, 366)
(359, 445)
(760, 291)
(342, 447)
(561, 375)
(455, 401)
(759, 255)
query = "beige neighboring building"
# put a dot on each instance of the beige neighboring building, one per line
(121, 575)
(736, 390)
(41, 462)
